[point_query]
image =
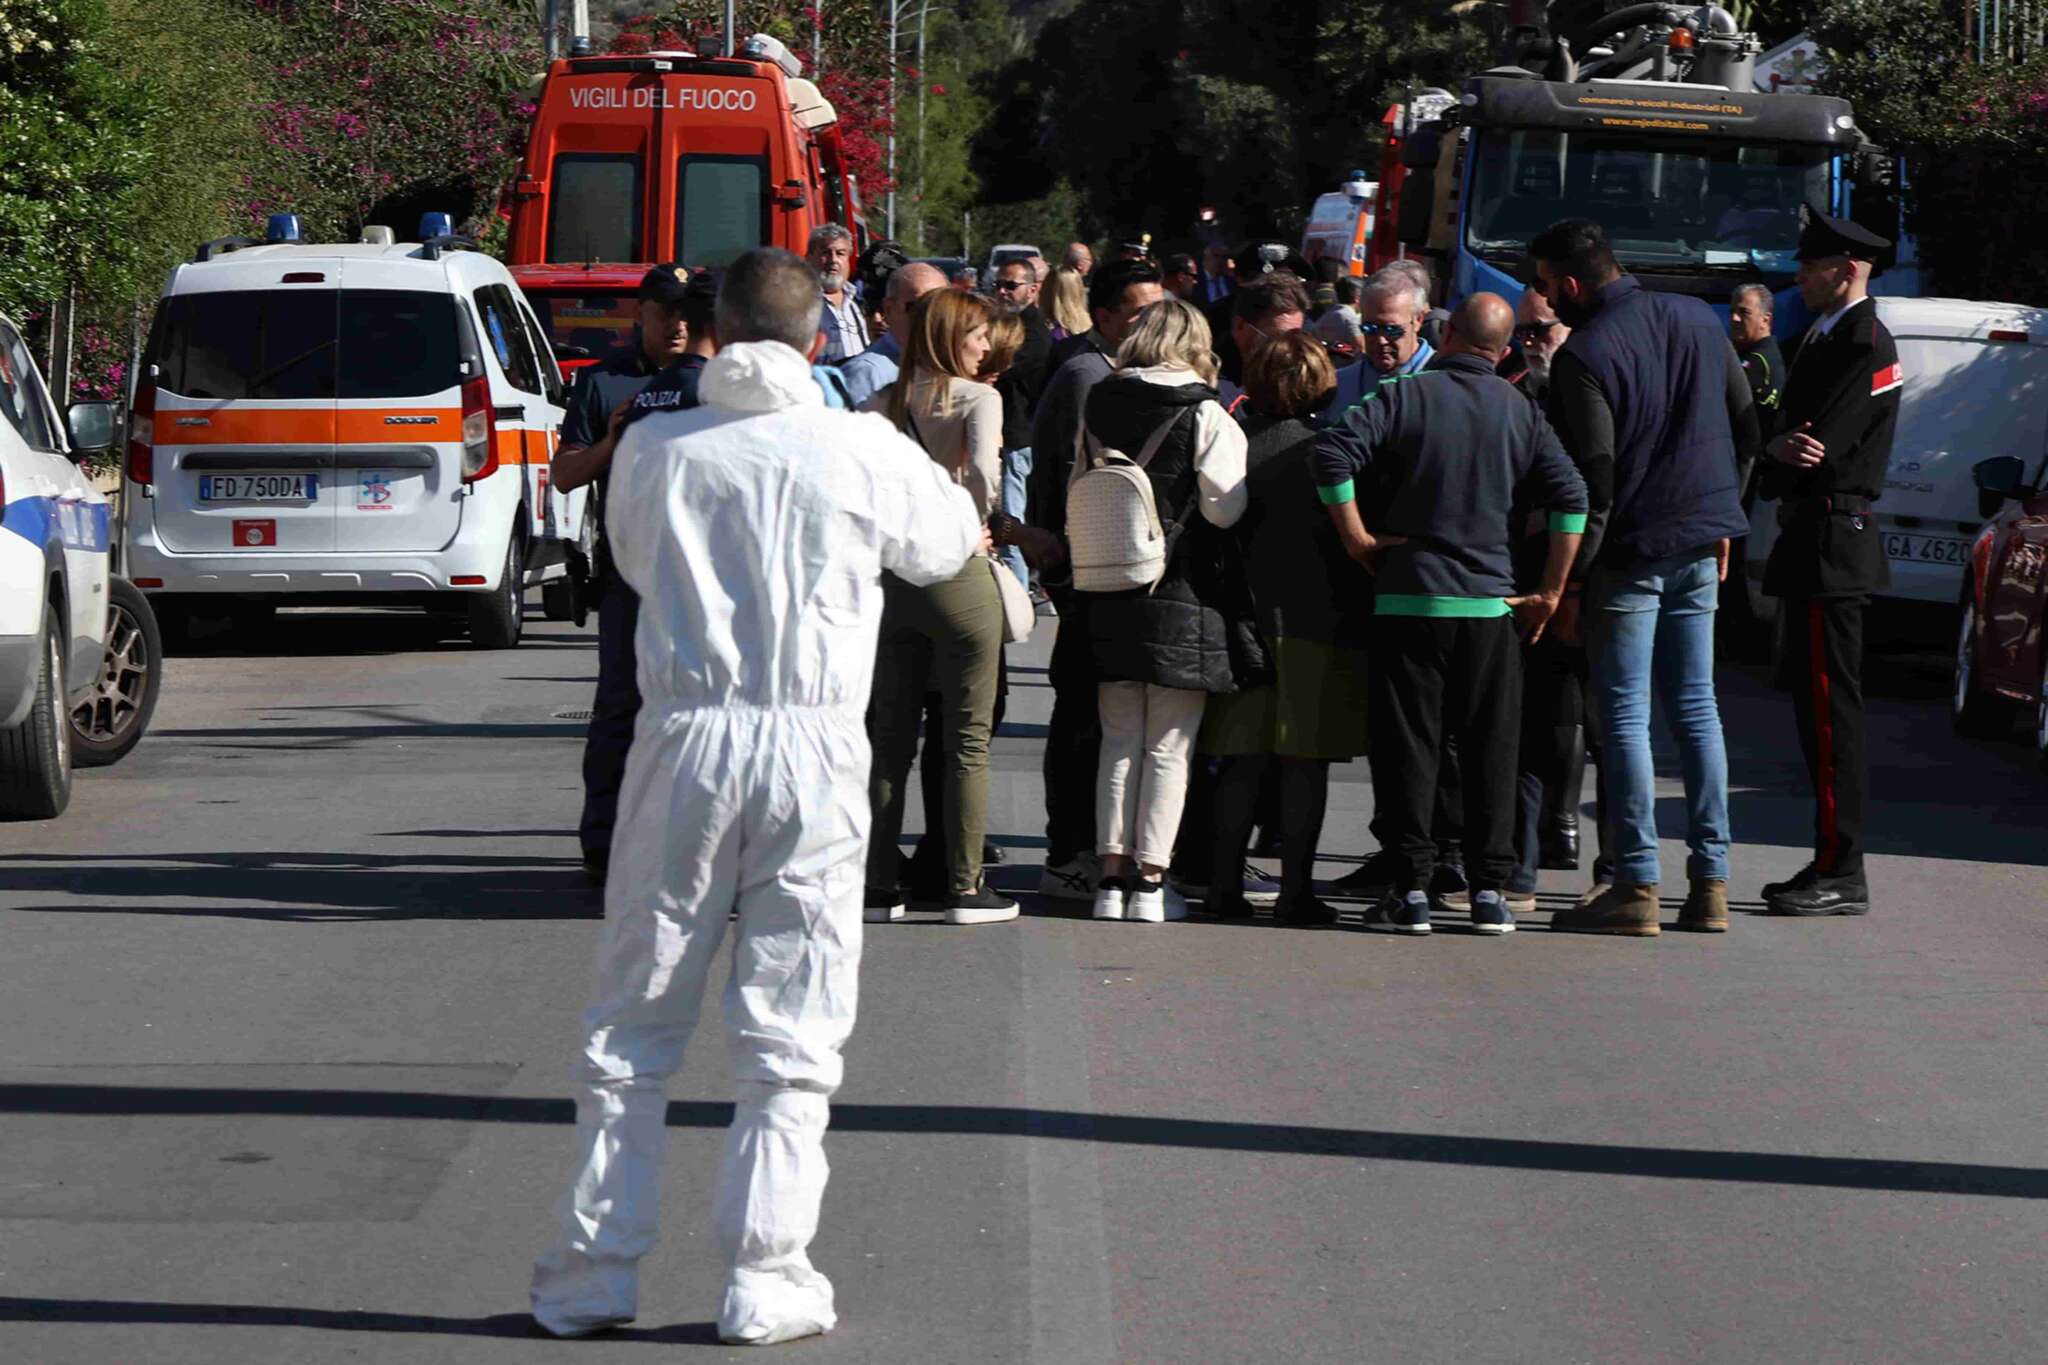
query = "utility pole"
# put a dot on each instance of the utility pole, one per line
(895, 11)
(551, 27)
(731, 26)
(817, 39)
(924, 81)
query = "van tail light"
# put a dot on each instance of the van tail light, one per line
(479, 431)
(142, 435)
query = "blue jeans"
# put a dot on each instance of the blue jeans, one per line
(1016, 473)
(1650, 627)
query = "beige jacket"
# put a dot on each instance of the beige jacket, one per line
(960, 424)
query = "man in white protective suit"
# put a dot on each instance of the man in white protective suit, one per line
(756, 529)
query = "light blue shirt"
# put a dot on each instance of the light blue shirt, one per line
(1356, 382)
(873, 370)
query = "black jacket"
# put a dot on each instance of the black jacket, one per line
(1844, 387)
(1650, 400)
(1194, 631)
(1304, 586)
(1025, 380)
(1440, 458)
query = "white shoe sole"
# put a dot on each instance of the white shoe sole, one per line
(978, 916)
(1262, 898)
(882, 914)
(1413, 930)
(1109, 912)
(1494, 930)
(580, 1331)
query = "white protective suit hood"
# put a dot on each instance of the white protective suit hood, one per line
(759, 376)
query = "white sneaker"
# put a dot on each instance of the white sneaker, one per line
(1073, 880)
(1157, 902)
(1109, 899)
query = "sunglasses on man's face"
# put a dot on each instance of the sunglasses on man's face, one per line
(1386, 330)
(1534, 331)
(1006, 286)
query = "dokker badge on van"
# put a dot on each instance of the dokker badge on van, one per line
(410, 421)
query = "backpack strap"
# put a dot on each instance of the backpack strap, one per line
(1158, 437)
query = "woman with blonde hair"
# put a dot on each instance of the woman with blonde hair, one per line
(1065, 303)
(946, 638)
(1161, 652)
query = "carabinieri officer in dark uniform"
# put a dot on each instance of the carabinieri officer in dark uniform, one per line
(1826, 467)
(589, 428)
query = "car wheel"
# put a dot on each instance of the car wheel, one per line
(111, 721)
(35, 756)
(497, 619)
(1973, 712)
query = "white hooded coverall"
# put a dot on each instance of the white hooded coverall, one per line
(756, 529)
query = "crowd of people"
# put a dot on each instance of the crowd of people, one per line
(1283, 522)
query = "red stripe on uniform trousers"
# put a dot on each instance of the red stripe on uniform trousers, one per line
(1824, 739)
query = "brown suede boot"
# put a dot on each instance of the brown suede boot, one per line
(1706, 908)
(1629, 911)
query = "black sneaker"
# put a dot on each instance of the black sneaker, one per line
(1801, 880)
(1448, 887)
(1306, 912)
(1822, 896)
(1407, 914)
(882, 904)
(980, 906)
(1490, 913)
(1370, 881)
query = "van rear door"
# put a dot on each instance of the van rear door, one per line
(245, 421)
(398, 411)
(731, 147)
(527, 415)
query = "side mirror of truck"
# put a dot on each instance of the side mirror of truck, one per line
(1998, 479)
(91, 426)
(1873, 168)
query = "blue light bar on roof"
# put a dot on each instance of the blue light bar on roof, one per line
(281, 227)
(434, 225)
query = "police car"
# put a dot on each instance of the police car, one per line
(356, 424)
(78, 657)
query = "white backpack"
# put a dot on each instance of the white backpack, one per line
(1114, 538)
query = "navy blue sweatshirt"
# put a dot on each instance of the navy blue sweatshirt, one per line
(1439, 458)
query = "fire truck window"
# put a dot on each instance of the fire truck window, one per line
(594, 208)
(721, 208)
(397, 343)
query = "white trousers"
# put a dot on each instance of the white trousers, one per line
(1141, 783)
(766, 812)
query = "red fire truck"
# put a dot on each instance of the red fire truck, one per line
(661, 156)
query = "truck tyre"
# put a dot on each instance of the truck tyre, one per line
(35, 756)
(558, 598)
(498, 618)
(1975, 714)
(112, 719)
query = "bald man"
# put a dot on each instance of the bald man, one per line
(1440, 459)
(875, 369)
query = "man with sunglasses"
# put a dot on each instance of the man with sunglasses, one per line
(1390, 315)
(1016, 295)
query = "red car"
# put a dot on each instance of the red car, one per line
(2000, 654)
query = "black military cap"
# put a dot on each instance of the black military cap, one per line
(1820, 235)
(666, 284)
(703, 283)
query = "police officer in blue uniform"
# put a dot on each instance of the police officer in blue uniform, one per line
(1837, 415)
(602, 398)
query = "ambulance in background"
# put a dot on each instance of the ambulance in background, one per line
(666, 156)
(1340, 225)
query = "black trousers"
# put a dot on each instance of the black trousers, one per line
(1553, 757)
(1302, 788)
(1457, 678)
(611, 716)
(1073, 740)
(1823, 669)
(1447, 815)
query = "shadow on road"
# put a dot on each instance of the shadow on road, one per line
(100, 1311)
(339, 632)
(1355, 1144)
(307, 887)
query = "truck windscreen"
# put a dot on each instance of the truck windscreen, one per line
(1663, 201)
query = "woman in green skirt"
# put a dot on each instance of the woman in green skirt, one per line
(1313, 603)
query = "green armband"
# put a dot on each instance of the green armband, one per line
(1568, 523)
(1332, 496)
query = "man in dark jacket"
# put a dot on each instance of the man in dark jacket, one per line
(1651, 402)
(673, 340)
(1838, 415)
(1434, 464)
(1016, 294)
(1117, 294)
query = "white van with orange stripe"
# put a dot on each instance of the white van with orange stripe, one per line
(364, 424)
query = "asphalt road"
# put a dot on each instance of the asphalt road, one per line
(287, 1002)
